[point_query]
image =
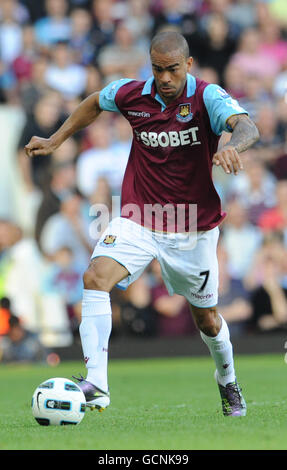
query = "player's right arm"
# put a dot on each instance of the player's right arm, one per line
(87, 111)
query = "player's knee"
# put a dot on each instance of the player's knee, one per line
(93, 279)
(208, 321)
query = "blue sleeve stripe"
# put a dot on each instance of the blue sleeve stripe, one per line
(108, 94)
(220, 106)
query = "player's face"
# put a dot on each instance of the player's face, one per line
(169, 71)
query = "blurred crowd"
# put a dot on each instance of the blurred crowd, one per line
(54, 53)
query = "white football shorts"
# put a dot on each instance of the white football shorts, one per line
(188, 261)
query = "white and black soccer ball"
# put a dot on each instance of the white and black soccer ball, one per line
(58, 401)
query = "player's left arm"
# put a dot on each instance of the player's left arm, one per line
(244, 135)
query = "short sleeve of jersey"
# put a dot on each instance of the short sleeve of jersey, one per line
(108, 94)
(220, 106)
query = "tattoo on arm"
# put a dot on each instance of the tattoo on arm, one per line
(245, 132)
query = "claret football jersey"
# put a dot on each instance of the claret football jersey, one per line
(168, 184)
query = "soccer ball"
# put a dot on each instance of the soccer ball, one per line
(58, 401)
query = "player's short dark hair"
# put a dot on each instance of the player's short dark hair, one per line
(168, 41)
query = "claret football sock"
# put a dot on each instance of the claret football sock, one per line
(221, 350)
(95, 330)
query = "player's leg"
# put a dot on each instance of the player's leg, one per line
(191, 269)
(215, 333)
(120, 256)
(96, 325)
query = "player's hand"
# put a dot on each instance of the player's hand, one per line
(40, 146)
(229, 159)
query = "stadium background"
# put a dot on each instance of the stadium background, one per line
(54, 53)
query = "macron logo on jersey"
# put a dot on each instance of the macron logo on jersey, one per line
(171, 138)
(138, 113)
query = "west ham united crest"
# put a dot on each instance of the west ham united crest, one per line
(184, 114)
(109, 240)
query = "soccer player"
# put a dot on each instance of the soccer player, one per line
(167, 198)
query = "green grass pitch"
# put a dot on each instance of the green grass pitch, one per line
(157, 404)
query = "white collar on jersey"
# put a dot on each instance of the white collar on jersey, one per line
(191, 86)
